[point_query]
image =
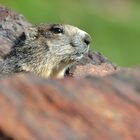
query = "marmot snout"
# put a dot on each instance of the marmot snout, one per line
(46, 50)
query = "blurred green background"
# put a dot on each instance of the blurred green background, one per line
(113, 24)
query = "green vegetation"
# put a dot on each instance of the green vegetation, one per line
(113, 24)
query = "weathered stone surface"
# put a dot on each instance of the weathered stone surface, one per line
(93, 63)
(67, 109)
(12, 25)
(94, 108)
(90, 69)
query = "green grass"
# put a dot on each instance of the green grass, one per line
(114, 26)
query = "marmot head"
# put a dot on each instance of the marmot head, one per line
(47, 50)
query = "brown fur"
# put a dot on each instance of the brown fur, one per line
(46, 50)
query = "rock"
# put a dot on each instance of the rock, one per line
(105, 104)
(80, 71)
(67, 109)
(93, 63)
(12, 25)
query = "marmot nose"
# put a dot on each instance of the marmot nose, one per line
(87, 39)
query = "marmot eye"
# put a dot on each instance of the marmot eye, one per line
(57, 30)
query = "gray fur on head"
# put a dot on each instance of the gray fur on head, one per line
(46, 50)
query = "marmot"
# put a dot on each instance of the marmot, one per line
(46, 50)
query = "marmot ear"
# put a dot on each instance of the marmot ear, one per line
(21, 39)
(31, 33)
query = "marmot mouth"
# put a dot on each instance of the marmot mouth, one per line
(78, 55)
(82, 52)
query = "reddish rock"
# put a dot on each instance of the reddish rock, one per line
(93, 63)
(90, 69)
(67, 109)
